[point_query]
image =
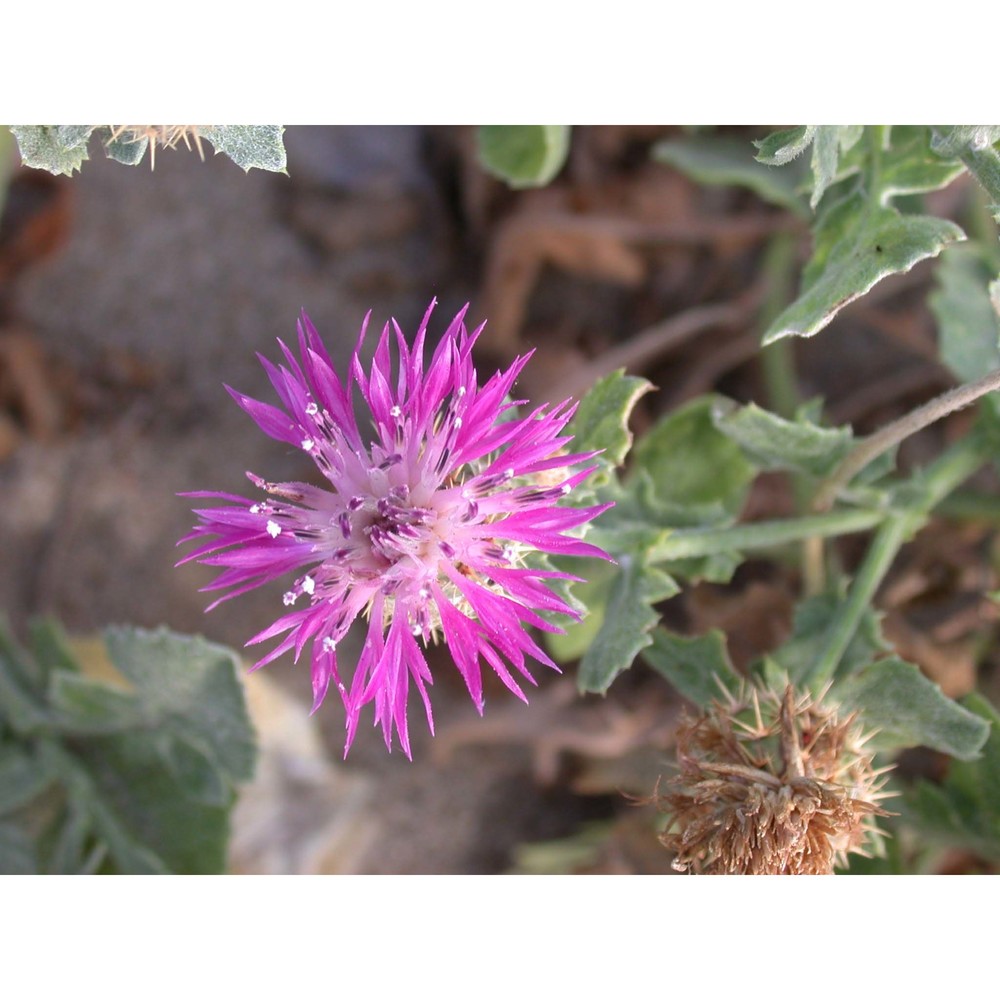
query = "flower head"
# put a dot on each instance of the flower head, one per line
(769, 784)
(431, 502)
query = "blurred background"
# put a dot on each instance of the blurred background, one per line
(128, 297)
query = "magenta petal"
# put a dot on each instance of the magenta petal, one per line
(434, 493)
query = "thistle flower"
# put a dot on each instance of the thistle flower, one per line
(771, 784)
(422, 525)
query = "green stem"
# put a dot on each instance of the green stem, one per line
(928, 490)
(777, 359)
(688, 543)
(886, 544)
(881, 441)
(878, 141)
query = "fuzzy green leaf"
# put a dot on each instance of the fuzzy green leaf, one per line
(780, 148)
(689, 462)
(69, 855)
(867, 244)
(908, 710)
(190, 686)
(969, 329)
(965, 809)
(17, 852)
(828, 143)
(523, 155)
(22, 778)
(601, 421)
(87, 707)
(60, 149)
(592, 594)
(698, 666)
(250, 146)
(625, 624)
(727, 161)
(50, 646)
(909, 167)
(772, 442)
(125, 150)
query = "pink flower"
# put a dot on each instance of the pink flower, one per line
(422, 527)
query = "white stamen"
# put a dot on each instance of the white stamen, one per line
(329, 645)
(416, 630)
(308, 585)
(395, 412)
(460, 391)
(457, 422)
(312, 409)
(289, 597)
(255, 509)
(308, 444)
(273, 529)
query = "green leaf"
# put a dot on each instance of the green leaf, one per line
(523, 155)
(22, 778)
(20, 702)
(772, 442)
(698, 667)
(727, 161)
(197, 773)
(909, 710)
(828, 142)
(601, 421)
(125, 150)
(147, 773)
(780, 148)
(18, 666)
(86, 707)
(17, 852)
(862, 245)
(909, 167)
(69, 855)
(130, 854)
(689, 462)
(969, 330)
(190, 686)
(810, 624)
(60, 149)
(625, 624)
(592, 595)
(250, 146)
(965, 809)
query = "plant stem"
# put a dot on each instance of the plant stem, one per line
(877, 136)
(887, 542)
(881, 441)
(688, 543)
(777, 360)
(935, 483)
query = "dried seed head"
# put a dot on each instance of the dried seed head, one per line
(771, 784)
